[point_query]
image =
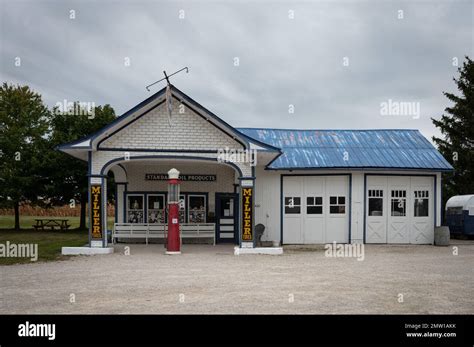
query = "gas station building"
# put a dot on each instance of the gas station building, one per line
(304, 186)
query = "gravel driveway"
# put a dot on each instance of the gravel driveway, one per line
(210, 279)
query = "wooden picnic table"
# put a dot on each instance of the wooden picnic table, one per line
(42, 223)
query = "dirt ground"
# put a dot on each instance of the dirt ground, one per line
(210, 279)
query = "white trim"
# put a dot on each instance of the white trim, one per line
(258, 250)
(86, 250)
(85, 143)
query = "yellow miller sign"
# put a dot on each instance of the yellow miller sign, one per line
(96, 198)
(247, 206)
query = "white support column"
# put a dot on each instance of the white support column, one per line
(120, 203)
(439, 202)
(357, 208)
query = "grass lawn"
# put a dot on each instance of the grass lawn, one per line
(49, 243)
(27, 222)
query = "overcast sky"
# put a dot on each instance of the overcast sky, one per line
(336, 62)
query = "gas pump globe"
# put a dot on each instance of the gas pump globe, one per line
(173, 244)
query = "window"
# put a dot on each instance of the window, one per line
(134, 208)
(337, 204)
(454, 210)
(182, 208)
(421, 203)
(156, 209)
(375, 202)
(399, 201)
(314, 205)
(226, 206)
(292, 205)
(196, 208)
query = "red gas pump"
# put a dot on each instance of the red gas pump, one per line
(173, 241)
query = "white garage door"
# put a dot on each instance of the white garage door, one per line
(399, 209)
(316, 209)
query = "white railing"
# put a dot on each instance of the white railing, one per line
(159, 231)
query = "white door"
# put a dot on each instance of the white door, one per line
(314, 214)
(398, 225)
(316, 209)
(376, 195)
(400, 209)
(422, 203)
(292, 210)
(337, 217)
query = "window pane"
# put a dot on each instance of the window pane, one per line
(197, 209)
(375, 207)
(421, 207)
(309, 200)
(292, 210)
(319, 200)
(135, 217)
(314, 210)
(337, 209)
(134, 209)
(292, 201)
(156, 216)
(227, 207)
(135, 202)
(398, 207)
(454, 210)
(156, 209)
(342, 200)
(333, 200)
(155, 202)
(197, 202)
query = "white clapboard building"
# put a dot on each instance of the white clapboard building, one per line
(304, 186)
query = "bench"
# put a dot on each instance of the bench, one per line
(207, 230)
(159, 231)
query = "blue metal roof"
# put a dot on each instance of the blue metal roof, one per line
(378, 149)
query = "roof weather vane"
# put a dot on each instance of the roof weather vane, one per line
(166, 77)
(168, 90)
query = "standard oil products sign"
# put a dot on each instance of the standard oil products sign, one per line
(194, 178)
(96, 196)
(247, 205)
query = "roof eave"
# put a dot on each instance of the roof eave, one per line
(352, 168)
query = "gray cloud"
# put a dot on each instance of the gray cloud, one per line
(282, 61)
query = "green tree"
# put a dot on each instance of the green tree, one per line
(457, 127)
(23, 132)
(68, 179)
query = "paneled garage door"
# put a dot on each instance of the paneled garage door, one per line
(316, 209)
(399, 209)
